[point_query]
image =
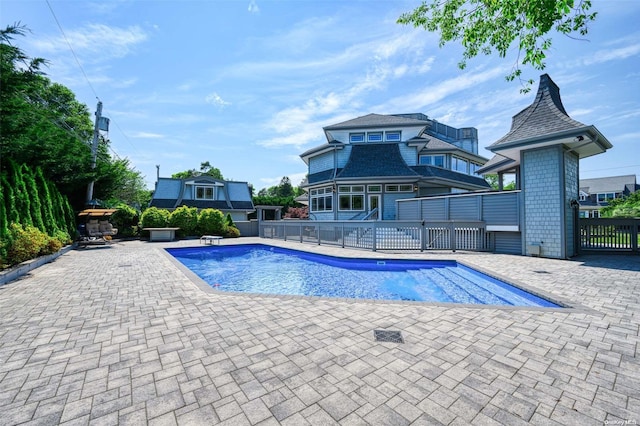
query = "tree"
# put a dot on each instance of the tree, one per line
(206, 169)
(628, 206)
(493, 181)
(484, 26)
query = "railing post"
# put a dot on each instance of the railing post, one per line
(452, 236)
(342, 234)
(375, 237)
(634, 234)
(301, 227)
(423, 237)
(318, 233)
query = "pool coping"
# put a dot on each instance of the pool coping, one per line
(564, 305)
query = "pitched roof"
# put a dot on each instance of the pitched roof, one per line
(377, 120)
(608, 184)
(545, 123)
(546, 115)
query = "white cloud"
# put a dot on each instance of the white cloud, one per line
(613, 54)
(215, 99)
(146, 135)
(99, 41)
(253, 7)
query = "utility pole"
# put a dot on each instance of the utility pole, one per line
(101, 123)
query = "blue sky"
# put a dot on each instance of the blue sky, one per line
(248, 84)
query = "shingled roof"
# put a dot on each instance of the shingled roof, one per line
(544, 123)
(546, 115)
(382, 159)
(377, 120)
(385, 160)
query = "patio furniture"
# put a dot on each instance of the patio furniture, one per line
(210, 239)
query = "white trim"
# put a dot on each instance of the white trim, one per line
(503, 228)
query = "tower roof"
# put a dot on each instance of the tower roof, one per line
(545, 122)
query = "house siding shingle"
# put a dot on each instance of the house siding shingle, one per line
(321, 163)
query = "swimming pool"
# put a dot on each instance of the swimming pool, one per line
(257, 268)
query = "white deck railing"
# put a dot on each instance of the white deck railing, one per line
(384, 235)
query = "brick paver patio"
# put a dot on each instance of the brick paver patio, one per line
(120, 335)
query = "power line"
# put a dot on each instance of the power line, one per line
(87, 79)
(71, 48)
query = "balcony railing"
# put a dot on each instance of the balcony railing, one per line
(384, 235)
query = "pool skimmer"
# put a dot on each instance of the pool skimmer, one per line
(390, 336)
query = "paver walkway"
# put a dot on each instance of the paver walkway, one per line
(120, 335)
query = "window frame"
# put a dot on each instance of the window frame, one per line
(354, 136)
(321, 196)
(431, 158)
(204, 189)
(351, 198)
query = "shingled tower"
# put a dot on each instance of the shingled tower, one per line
(543, 149)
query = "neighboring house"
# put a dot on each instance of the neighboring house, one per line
(595, 193)
(204, 192)
(370, 162)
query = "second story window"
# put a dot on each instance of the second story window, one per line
(205, 193)
(460, 165)
(603, 197)
(432, 160)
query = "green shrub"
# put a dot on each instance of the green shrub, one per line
(232, 232)
(126, 219)
(185, 218)
(63, 237)
(26, 243)
(230, 220)
(212, 222)
(52, 245)
(154, 217)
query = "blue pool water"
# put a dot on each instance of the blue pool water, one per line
(256, 268)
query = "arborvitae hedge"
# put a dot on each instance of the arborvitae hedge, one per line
(28, 200)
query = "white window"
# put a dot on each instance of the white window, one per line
(393, 136)
(374, 188)
(432, 160)
(205, 193)
(583, 196)
(399, 188)
(321, 199)
(351, 198)
(374, 137)
(356, 137)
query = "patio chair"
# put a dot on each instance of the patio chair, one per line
(106, 228)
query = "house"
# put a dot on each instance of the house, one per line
(370, 162)
(204, 192)
(595, 193)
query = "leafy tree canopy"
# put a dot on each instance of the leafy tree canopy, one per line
(485, 26)
(206, 169)
(628, 206)
(43, 125)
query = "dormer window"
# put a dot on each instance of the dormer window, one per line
(205, 193)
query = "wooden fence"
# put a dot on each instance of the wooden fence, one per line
(609, 235)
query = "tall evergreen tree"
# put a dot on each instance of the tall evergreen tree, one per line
(35, 205)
